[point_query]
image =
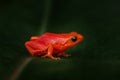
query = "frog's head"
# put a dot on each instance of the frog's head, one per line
(73, 39)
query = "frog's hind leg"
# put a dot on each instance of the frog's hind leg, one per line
(31, 50)
(50, 53)
(34, 38)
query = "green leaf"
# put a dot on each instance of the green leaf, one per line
(96, 58)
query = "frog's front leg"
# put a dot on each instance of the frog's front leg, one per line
(50, 53)
(63, 54)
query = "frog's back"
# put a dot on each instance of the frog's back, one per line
(51, 38)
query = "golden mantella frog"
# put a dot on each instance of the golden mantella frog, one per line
(50, 44)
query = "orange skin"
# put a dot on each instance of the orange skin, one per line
(50, 44)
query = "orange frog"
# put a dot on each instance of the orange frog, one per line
(51, 44)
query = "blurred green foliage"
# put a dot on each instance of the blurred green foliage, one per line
(96, 58)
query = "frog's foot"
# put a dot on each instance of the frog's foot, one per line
(64, 55)
(51, 57)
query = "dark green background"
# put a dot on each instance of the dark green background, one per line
(96, 58)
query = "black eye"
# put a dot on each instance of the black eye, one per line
(74, 38)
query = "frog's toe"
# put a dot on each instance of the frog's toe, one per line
(64, 55)
(56, 58)
(51, 57)
(67, 55)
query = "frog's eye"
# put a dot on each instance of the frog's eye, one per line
(74, 38)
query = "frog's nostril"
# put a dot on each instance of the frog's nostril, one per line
(81, 37)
